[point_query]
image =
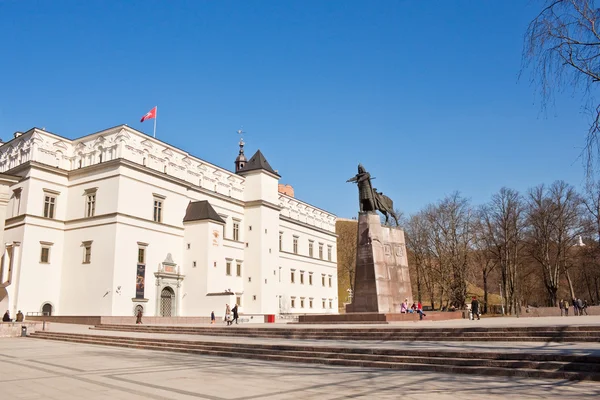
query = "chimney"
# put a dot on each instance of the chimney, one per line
(286, 189)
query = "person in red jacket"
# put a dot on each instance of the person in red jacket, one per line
(420, 311)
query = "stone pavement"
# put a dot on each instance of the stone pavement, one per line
(39, 369)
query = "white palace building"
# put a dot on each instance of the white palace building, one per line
(116, 221)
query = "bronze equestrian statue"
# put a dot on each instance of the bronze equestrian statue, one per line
(368, 197)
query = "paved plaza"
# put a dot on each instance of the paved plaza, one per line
(40, 369)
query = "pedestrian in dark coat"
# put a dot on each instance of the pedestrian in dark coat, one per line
(475, 307)
(234, 310)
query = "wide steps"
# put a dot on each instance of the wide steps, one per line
(555, 366)
(568, 334)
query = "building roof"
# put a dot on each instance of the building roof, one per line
(200, 211)
(258, 161)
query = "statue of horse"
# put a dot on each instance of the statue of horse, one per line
(385, 205)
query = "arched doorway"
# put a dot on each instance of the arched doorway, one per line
(167, 296)
(47, 309)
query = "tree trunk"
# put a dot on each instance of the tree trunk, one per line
(485, 293)
(570, 284)
(418, 284)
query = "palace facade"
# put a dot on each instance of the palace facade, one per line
(117, 221)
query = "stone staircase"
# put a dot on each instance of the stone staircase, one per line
(577, 334)
(496, 363)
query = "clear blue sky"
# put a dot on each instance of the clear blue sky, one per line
(424, 93)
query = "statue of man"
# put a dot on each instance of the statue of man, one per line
(365, 190)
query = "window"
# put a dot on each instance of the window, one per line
(302, 302)
(158, 209)
(310, 303)
(254, 297)
(236, 231)
(330, 303)
(302, 277)
(323, 303)
(293, 276)
(238, 300)
(87, 252)
(49, 205)
(293, 302)
(90, 203)
(321, 251)
(45, 252)
(323, 280)
(142, 252)
(280, 241)
(141, 255)
(310, 248)
(295, 244)
(238, 269)
(329, 280)
(194, 264)
(328, 252)
(310, 278)
(228, 268)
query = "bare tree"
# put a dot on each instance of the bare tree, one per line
(417, 232)
(590, 257)
(553, 218)
(450, 221)
(502, 222)
(562, 50)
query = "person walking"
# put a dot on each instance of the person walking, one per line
(565, 306)
(575, 307)
(212, 318)
(420, 311)
(138, 317)
(585, 306)
(562, 310)
(475, 308)
(227, 314)
(234, 311)
(580, 307)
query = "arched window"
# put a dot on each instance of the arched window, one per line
(47, 309)
(137, 309)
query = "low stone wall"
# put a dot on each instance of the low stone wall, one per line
(100, 320)
(13, 329)
(376, 318)
(554, 311)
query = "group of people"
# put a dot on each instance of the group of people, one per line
(415, 308)
(231, 315)
(579, 307)
(6, 317)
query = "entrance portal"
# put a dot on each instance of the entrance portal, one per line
(47, 309)
(166, 302)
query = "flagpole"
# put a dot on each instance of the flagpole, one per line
(155, 116)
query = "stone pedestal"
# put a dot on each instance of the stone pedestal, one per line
(382, 281)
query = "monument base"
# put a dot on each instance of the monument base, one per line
(376, 318)
(382, 281)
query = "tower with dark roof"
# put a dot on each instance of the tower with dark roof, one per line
(240, 161)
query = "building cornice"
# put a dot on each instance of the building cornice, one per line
(308, 226)
(262, 203)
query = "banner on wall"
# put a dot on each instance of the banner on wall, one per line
(140, 281)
